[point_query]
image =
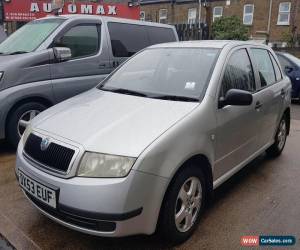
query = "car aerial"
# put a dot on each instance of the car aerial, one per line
(291, 66)
(57, 57)
(144, 150)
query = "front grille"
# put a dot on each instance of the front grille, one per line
(56, 156)
(87, 223)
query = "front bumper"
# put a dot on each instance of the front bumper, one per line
(112, 207)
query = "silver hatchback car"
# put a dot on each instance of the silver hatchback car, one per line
(146, 148)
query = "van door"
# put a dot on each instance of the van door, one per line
(271, 94)
(89, 64)
(237, 126)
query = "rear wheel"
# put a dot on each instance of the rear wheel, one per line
(20, 118)
(280, 139)
(183, 205)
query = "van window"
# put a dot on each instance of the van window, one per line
(127, 39)
(160, 35)
(83, 40)
(265, 66)
(238, 73)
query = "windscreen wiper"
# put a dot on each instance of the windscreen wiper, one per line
(18, 52)
(176, 98)
(126, 92)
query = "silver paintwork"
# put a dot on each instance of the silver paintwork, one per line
(163, 135)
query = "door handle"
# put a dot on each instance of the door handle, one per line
(282, 93)
(102, 65)
(258, 105)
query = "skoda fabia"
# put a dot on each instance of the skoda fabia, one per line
(145, 149)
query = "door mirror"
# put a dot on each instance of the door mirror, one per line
(62, 54)
(236, 97)
(288, 69)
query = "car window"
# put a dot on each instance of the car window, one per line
(83, 40)
(276, 68)
(284, 62)
(238, 73)
(264, 66)
(127, 39)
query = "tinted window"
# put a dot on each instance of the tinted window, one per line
(276, 68)
(238, 73)
(83, 40)
(265, 67)
(160, 35)
(127, 39)
(183, 72)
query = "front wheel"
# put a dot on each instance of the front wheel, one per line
(20, 118)
(183, 205)
(280, 139)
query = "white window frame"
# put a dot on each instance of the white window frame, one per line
(142, 12)
(217, 16)
(192, 19)
(248, 14)
(163, 17)
(284, 12)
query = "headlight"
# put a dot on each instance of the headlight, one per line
(102, 165)
(26, 133)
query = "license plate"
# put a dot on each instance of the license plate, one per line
(37, 190)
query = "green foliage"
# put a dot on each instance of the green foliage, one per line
(229, 28)
(288, 37)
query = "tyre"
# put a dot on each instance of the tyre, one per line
(280, 139)
(19, 119)
(183, 205)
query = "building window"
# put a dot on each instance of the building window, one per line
(142, 15)
(218, 12)
(163, 15)
(284, 13)
(248, 14)
(192, 15)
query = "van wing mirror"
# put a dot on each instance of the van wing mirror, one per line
(62, 54)
(236, 97)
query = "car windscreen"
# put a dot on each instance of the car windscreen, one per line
(30, 36)
(165, 73)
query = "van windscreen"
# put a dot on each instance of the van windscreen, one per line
(30, 36)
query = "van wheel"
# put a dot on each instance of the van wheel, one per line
(183, 205)
(280, 139)
(20, 118)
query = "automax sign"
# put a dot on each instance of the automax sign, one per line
(27, 10)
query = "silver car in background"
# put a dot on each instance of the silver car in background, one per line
(146, 148)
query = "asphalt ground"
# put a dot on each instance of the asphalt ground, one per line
(262, 199)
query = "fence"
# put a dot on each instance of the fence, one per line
(194, 31)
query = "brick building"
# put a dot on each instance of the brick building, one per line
(275, 21)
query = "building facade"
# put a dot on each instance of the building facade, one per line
(275, 21)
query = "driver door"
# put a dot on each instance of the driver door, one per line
(237, 126)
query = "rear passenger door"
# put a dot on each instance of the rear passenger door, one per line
(89, 63)
(270, 94)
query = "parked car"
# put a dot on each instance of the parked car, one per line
(291, 66)
(146, 148)
(55, 58)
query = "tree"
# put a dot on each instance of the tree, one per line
(229, 28)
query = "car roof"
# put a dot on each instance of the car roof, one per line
(108, 19)
(219, 44)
